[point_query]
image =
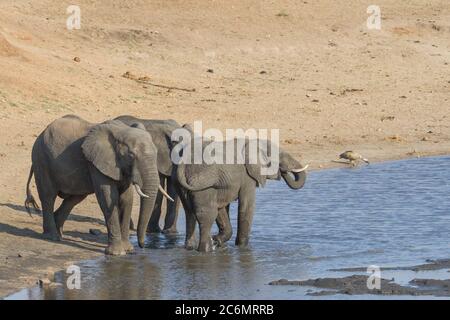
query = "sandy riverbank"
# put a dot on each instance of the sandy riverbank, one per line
(310, 69)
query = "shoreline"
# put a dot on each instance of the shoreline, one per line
(45, 270)
(316, 73)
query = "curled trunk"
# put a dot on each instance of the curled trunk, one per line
(297, 182)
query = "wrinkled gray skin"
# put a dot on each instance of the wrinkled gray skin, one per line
(207, 190)
(161, 132)
(73, 158)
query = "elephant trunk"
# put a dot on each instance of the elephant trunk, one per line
(150, 184)
(200, 183)
(297, 182)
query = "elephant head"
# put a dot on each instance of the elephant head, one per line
(126, 154)
(204, 176)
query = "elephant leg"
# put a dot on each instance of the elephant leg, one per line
(107, 195)
(49, 226)
(224, 225)
(205, 221)
(245, 214)
(153, 224)
(47, 195)
(190, 219)
(64, 210)
(125, 207)
(132, 226)
(170, 221)
(191, 222)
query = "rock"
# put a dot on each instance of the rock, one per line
(210, 70)
(95, 232)
(77, 59)
(263, 72)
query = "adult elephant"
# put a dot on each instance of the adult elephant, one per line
(206, 191)
(73, 158)
(161, 132)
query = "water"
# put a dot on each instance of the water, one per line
(388, 214)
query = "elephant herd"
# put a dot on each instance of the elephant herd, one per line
(73, 158)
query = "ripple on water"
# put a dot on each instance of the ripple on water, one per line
(393, 213)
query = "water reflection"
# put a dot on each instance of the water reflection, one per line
(395, 213)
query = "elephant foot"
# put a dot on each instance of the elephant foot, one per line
(220, 239)
(59, 230)
(115, 250)
(206, 246)
(171, 230)
(127, 246)
(242, 242)
(54, 236)
(154, 229)
(189, 244)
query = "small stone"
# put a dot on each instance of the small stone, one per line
(210, 70)
(77, 59)
(95, 232)
(263, 72)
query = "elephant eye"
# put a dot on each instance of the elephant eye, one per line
(132, 156)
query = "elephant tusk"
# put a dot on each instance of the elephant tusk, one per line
(165, 193)
(139, 192)
(300, 170)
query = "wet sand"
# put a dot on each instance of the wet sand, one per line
(357, 284)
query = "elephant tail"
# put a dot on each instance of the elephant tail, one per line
(29, 201)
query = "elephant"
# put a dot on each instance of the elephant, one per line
(161, 132)
(73, 158)
(206, 191)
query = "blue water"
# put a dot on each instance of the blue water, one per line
(387, 214)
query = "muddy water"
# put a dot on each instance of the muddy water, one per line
(388, 214)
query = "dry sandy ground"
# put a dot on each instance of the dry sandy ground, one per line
(310, 68)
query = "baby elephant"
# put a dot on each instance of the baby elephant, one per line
(73, 158)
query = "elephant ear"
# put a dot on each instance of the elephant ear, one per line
(254, 169)
(98, 148)
(163, 143)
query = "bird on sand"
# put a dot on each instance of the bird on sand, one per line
(352, 157)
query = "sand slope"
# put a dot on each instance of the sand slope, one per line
(308, 68)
